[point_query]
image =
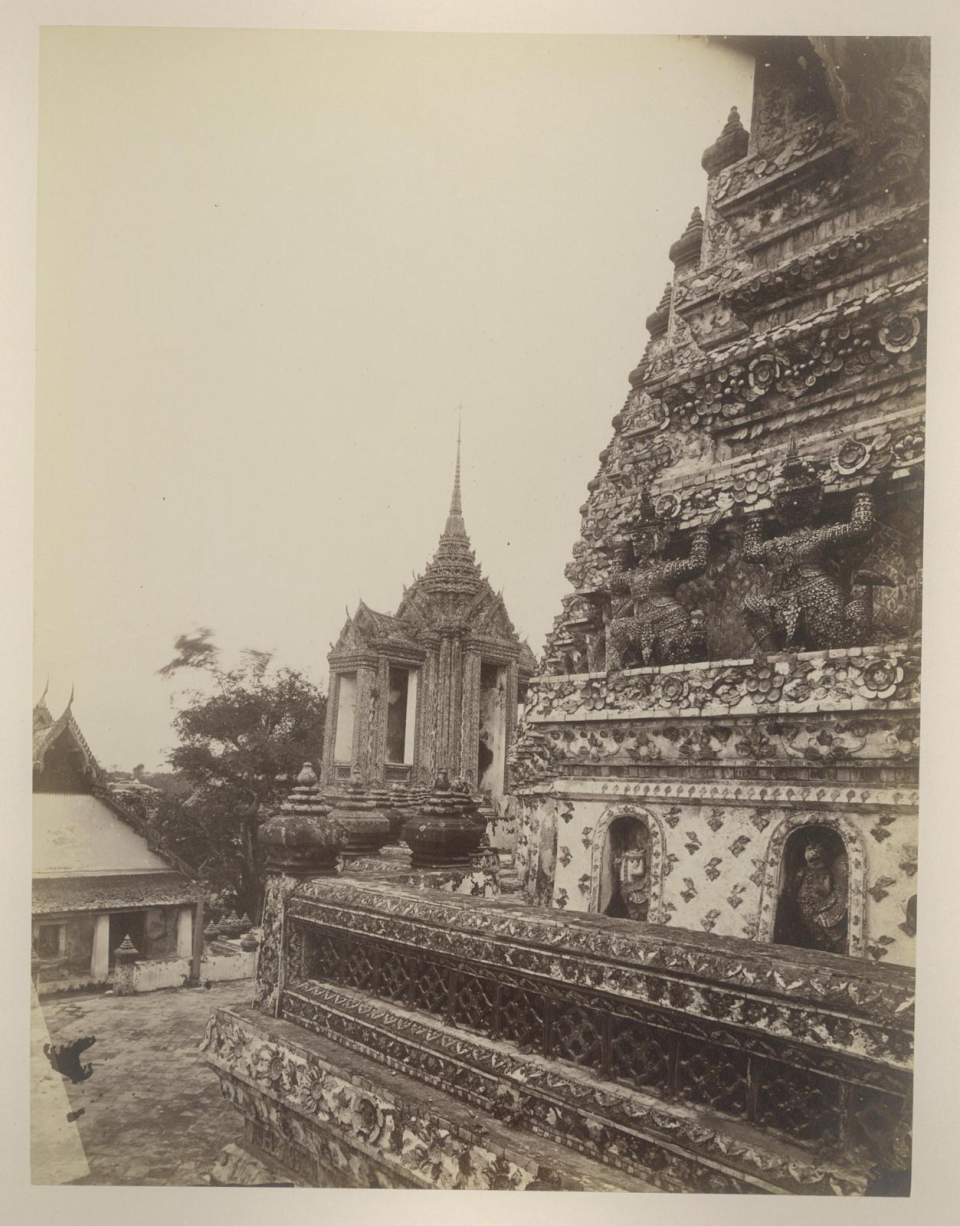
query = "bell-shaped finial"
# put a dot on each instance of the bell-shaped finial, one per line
(307, 777)
(300, 838)
(685, 252)
(658, 321)
(730, 146)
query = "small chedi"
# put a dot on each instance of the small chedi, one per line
(705, 982)
(446, 828)
(355, 809)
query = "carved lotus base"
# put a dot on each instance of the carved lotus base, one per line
(442, 842)
(364, 833)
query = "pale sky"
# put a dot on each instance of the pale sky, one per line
(271, 265)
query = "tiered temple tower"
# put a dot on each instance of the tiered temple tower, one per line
(434, 686)
(725, 734)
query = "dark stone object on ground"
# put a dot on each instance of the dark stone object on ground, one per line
(65, 1058)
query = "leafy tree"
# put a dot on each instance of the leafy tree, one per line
(241, 738)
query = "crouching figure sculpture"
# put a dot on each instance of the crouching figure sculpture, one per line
(805, 605)
(651, 624)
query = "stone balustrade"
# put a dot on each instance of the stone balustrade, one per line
(689, 1062)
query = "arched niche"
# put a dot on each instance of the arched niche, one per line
(841, 853)
(626, 865)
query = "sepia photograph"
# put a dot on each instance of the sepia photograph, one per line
(478, 551)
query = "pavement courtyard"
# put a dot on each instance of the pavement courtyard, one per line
(152, 1111)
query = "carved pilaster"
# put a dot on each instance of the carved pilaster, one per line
(441, 702)
(365, 722)
(379, 722)
(428, 729)
(330, 727)
(470, 717)
(455, 708)
(512, 698)
(449, 690)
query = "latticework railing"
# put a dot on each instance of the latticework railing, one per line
(618, 1020)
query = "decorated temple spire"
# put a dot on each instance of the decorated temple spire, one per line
(454, 567)
(455, 525)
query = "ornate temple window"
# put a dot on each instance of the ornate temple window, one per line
(626, 865)
(346, 716)
(813, 890)
(401, 714)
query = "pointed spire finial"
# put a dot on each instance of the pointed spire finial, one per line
(455, 525)
(456, 507)
(454, 567)
(73, 690)
(46, 686)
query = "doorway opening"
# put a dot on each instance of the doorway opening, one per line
(491, 753)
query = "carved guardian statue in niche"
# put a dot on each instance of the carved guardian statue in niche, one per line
(812, 912)
(650, 625)
(805, 606)
(625, 870)
(822, 900)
